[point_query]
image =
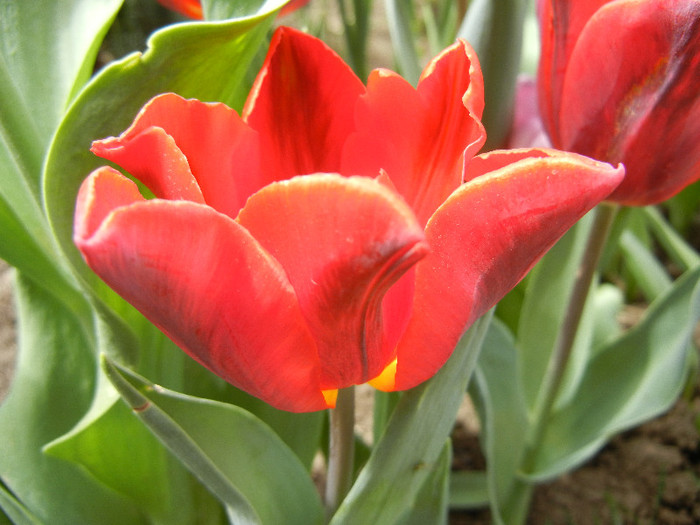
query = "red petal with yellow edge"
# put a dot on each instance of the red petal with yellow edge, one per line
(561, 22)
(483, 241)
(342, 242)
(302, 105)
(220, 149)
(647, 115)
(207, 284)
(420, 137)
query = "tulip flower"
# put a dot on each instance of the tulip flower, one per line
(618, 81)
(188, 8)
(334, 233)
(193, 8)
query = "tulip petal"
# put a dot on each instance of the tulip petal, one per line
(207, 284)
(104, 190)
(301, 104)
(422, 136)
(648, 115)
(153, 157)
(483, 241)
(343, 242)
(561, 22)
(527, 130)
(219, 148)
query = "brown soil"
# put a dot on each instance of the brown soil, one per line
(648, 475)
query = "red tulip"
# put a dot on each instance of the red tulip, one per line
(193, 8)
(618, 81)
(188, 8)
(290, 282)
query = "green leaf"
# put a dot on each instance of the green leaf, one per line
(52, 388)
(14, 510)
(228, 9)
(237, 457)
(432, 501)
(648, 273)
(607, 302)
(495, 29)
(300, 432)
(399, 14)
(411, 444)
(632, 379)
(679, 251)
(202, 60)
(19, 248)
(116, 449)
(468, 489)
(47, 52)
(503, 414)
(49, 49)
(548, 289)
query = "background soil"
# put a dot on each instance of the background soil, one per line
(648, 475)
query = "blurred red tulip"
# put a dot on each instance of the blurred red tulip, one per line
(290, 281)
(193, 8)
(188, 8)
(619, 82)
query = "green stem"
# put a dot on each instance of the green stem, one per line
(517, 502)
(602, 223)
(341, 450)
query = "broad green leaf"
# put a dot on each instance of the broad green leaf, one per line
(236, 456)
(384, 405)
(300, 432)
(52, 388)
(433, 500)
(411, 444)
(202, 60)
(497, 392)
(548, 289)
(632, 379)
(47, 52)
(19, 249)
(116, 449)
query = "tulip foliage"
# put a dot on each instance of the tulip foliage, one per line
(214, 248)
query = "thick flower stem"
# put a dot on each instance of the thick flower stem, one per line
(605, 214)
(341, 450)
(551, 383)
